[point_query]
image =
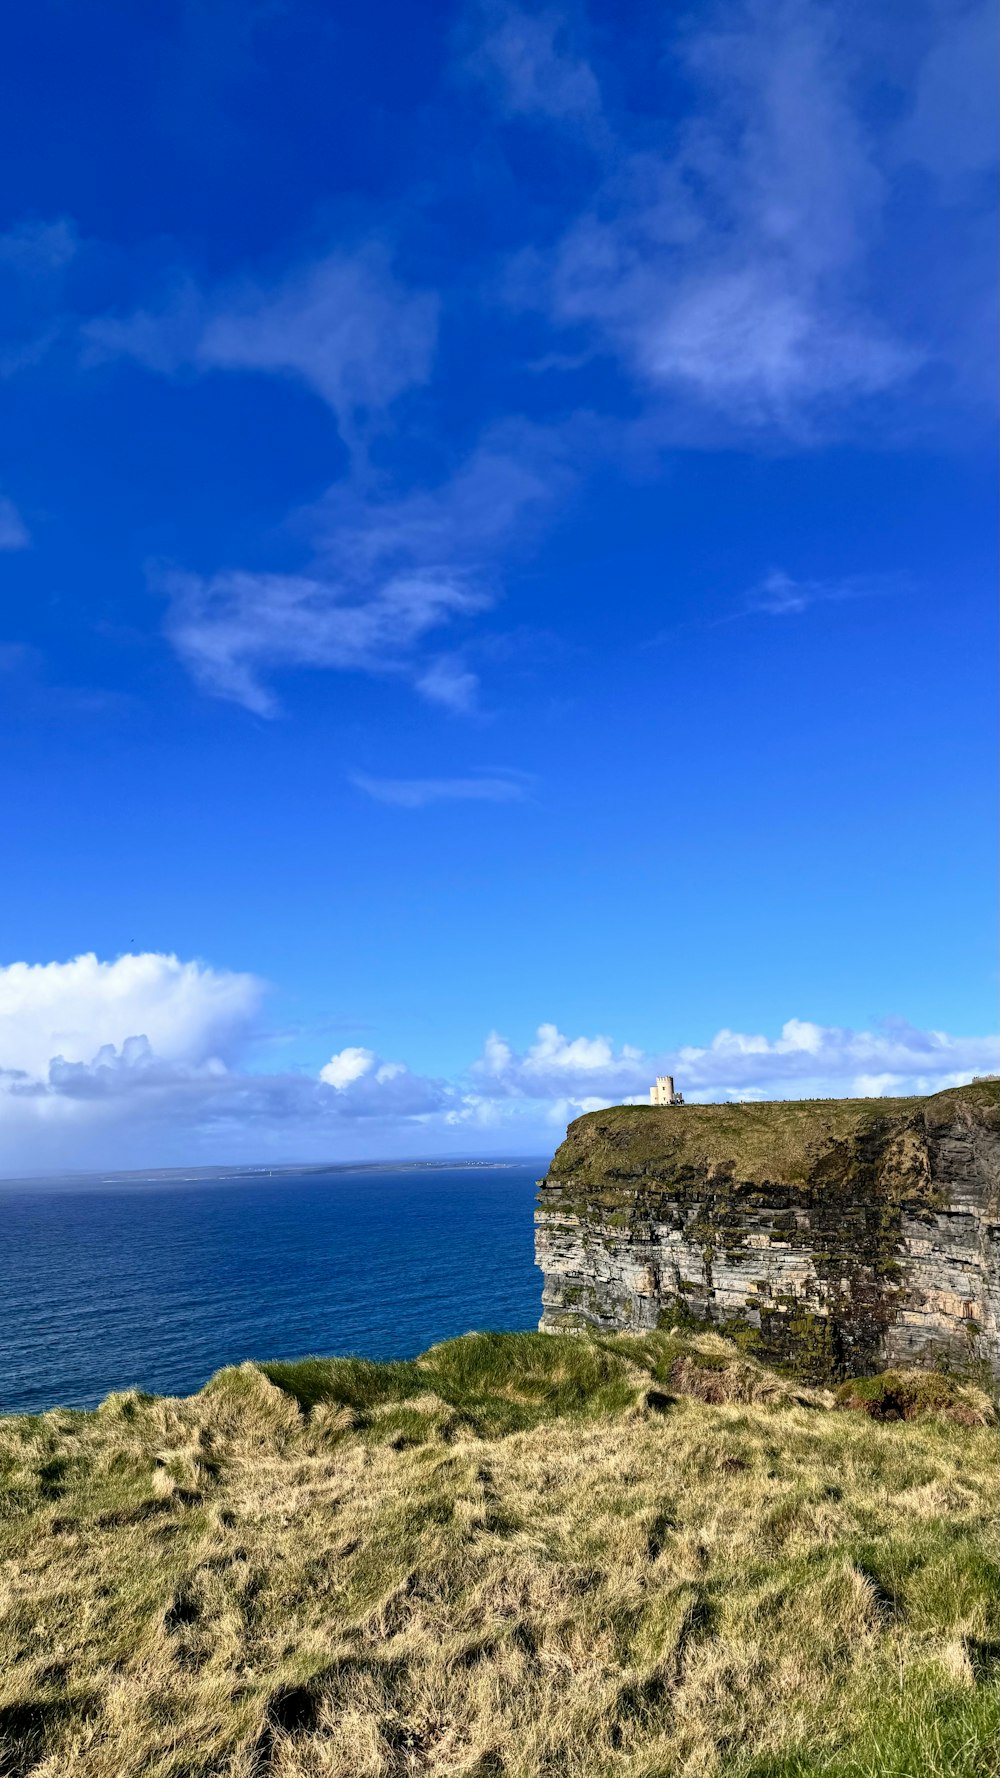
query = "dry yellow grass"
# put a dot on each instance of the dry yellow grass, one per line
(637, 1583)
(777, 1139)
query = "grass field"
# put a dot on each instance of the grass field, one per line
(521, 1556)
(792, 1140)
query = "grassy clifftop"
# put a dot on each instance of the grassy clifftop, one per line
(520, 1556)
(783, 1140)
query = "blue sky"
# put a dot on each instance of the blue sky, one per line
(497, 546)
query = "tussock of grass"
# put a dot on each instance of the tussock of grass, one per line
(520, 1556)
(908, 1394)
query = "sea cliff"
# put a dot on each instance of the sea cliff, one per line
(831, 1237)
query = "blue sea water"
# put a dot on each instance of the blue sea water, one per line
(155, 1283)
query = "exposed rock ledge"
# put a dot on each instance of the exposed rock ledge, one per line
(835, 1236)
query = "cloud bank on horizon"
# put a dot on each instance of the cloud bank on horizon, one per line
(147, 1059)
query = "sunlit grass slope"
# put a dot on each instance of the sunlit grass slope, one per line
(521, 1556)
(797, 1141)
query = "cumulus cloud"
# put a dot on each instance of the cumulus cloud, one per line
(349, 1065)
(142, 1061)
(129, 1107)
(368, 1088)
(806, 1059)
(95, 1052)
(187, 1011)
(809, 1058)
(555, 1065)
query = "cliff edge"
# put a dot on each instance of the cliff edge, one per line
(831, 1236)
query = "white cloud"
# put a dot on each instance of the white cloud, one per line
(447, 682)
(347, 1066)
(728, 266)
(554, 1065)
(187, 1011)
(371, 1091)
(389, 572)
(141, 1062)
(511, 474)
(345, 327)
(342, 325)
(750, 342)
(14, 533)
(809, 1059)
(805, 1059)
(385, 569)
(234, 628)
(417, 793)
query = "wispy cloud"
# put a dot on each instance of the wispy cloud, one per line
(781, 595)
(35, 257)
(450, 684)
(417, 793)
(37, 250)
(727, 265)
(390, 572)
(343, 325)
(723, 266)
(529, 61)
(234, 629)
(508, 478)
(952, 127)
(14, 533)
(346, 327)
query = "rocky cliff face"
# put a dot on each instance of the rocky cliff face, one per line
(837, 1237)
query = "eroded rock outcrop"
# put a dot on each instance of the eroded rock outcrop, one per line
(833, 1236)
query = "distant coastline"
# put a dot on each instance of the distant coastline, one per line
(163, 1280)
(289, 1170)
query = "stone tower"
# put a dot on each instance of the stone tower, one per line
(663, 1092)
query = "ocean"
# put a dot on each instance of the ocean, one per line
(155, 1282)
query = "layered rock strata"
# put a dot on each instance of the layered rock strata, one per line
(836, 1237)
